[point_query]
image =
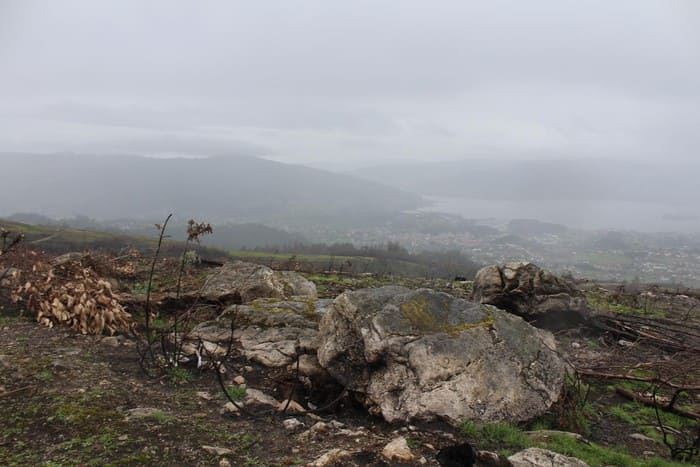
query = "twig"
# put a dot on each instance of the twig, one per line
(14, 391)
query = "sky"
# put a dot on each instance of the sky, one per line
(345, 84)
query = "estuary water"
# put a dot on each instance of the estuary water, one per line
(587, 215)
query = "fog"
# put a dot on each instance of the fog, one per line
(348, 85)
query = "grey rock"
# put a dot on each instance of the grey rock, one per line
(543, 299)
(271, 332)
(112, 341)
(217, 451)
(423, 354)
(240, 282)
(398, 450)
(537, 457)
(292, 424)
(641, 437)
(332, 457)
(256, 396)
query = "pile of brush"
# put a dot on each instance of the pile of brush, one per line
(73, 294)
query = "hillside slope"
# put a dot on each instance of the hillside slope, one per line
(216, 188)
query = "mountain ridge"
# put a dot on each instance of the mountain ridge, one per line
(218, 188)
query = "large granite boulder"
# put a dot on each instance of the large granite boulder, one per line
(422, 354)
(270, 332)
(543, 299)
(240, 282)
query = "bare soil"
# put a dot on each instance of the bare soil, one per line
(69, 399)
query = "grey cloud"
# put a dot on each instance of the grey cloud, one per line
(362, 80)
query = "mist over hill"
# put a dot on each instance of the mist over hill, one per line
(543, 179)
(217, 189)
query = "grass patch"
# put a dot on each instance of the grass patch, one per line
(161, 418)
(236, 393)
(598, 456)
(502, 437)
(179, 375)
(507, 439)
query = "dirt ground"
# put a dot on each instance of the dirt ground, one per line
(72, 399)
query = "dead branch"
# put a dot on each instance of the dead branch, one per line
(651, 380)
(15, 391)
(652, 402)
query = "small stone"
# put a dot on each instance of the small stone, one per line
(648, 453)
(293, 406)
(112, 341)
(537, 456)
(224, 462)
(247, 368)
(259, 397)
(352, 433)
(320, 426)
(641, 437)
(422, 461)
(204, 395)
(292, 424)
(398, 450)
(575, 345)
(123, 437)
(316, 428)
(217, 450)
(228, 408)
(490, 458)
(429, 446)
(624, 343)
(332, 457)
(239, 380)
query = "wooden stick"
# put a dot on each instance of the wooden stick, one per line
(14, 391)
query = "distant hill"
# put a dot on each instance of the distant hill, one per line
(215, 189)
(594, 179)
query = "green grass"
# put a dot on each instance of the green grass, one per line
(643, 419)
(598, 456)
(161, 418)
(236, 392)
(179, 375)
(507, 439)
(503, 437)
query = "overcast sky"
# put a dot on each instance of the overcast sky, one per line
(351, 83)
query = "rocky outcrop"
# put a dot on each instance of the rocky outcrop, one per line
(240, 282)
(422, 354)
(270, 332)
(543, 299)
